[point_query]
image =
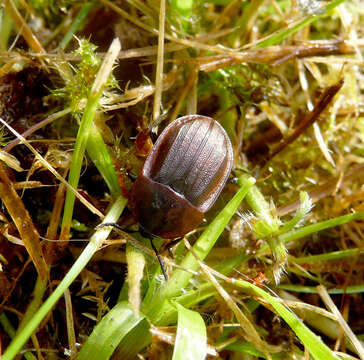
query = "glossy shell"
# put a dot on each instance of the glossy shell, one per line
(182, 176)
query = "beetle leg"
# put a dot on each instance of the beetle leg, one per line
(168, 246)
(159, 259)
(117, 226)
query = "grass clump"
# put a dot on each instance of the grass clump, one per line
(275, 272)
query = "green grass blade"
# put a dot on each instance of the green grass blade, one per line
(297, 234)
(331, 256)
(189, 299)
(353, 289)
(312, 342)
(77, 23)
(6, 25)
(9, 329)
(245, 347)
(191, 339)
(109, 332)
(99, 154)
(280, 36)
(323, 225)
(84, 131)
(134, 341)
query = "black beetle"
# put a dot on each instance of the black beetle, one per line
(181, 179)
(182, 176)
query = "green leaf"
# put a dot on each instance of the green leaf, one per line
(191, 339)
(114, 327)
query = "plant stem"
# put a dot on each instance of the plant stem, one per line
(83, 133)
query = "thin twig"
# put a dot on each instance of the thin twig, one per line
(309, 119)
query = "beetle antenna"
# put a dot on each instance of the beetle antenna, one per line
(159, 259)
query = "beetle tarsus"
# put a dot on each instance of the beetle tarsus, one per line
(159, 259)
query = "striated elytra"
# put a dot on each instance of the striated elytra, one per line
(182, 176)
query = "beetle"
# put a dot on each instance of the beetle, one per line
(182, 177)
